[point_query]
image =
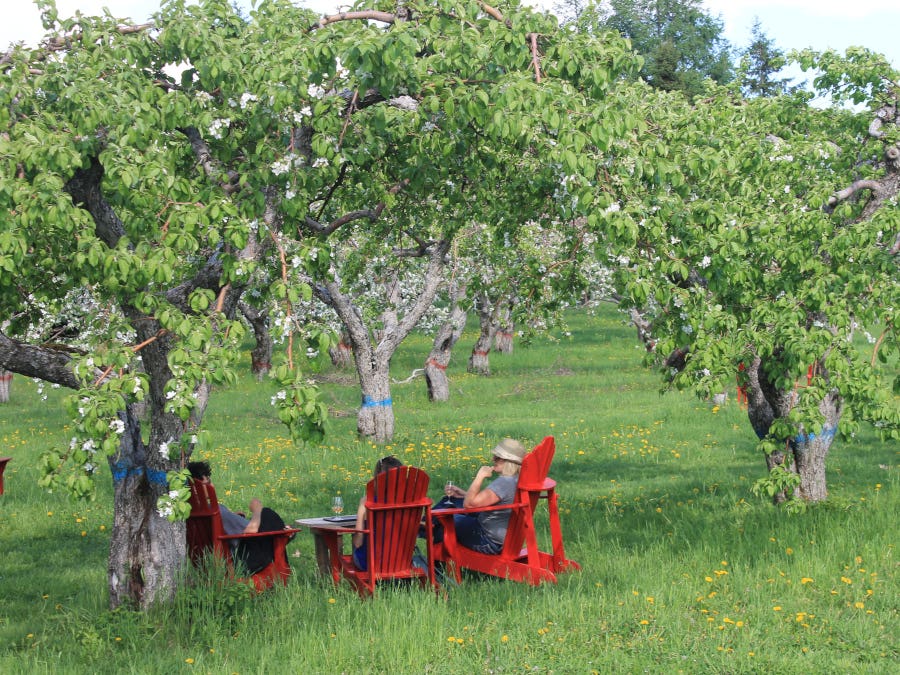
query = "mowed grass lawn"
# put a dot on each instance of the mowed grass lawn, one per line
(683, 569)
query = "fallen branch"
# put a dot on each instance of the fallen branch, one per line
(414, 375)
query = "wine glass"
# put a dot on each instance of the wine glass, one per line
(448, 486)
(337, 505)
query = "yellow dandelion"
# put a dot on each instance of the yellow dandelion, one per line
(776, 608)
(806, 580)
(504, 638)
(189, 660)
(789, 550)
(644, 622)
(859, 605)
(708, 579)
(331, 601)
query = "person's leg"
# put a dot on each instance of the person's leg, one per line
(232, 523)
(470, 534)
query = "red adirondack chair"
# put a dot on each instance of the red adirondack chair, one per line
(205, 535)
(520, 559)
(3, 462)
(397, 504)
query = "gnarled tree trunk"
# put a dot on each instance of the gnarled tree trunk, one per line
(342, 354)
(146, 551)
(261, 354)
(447, 336)
(478, 360)
(503, 336)
(804, 454)
(375, 418)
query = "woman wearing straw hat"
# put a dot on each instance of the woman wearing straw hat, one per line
(485, 532)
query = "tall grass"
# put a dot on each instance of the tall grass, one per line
(683, 570)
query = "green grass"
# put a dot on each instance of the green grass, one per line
(683, 570)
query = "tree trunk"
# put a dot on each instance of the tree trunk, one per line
(478, 360)
(375, 418)
(439, 357)
(5, 384)
(503, 337)
(261, 354)
(342, 354)
(146, 551)
(811, 450)
(806, 453)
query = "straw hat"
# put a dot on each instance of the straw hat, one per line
(510, 450)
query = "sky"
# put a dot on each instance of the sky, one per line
(791, 24)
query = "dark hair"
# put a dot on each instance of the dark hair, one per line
(199, 470)
(385, 463)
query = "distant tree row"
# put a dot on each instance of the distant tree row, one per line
(682, 44)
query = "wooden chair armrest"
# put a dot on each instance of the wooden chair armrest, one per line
(287, 532)
(475, 509)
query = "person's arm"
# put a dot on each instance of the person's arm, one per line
(256, 508)
(475, 496)
(359, 537)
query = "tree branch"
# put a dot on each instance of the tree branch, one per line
(368, 15)
(44, 363)
(851, 190)
(535, 56)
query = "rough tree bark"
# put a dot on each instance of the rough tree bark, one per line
(487, 322)
(442, 348)
(806, 453)
(342, 353)
(5, 385)
(503, 335)
(261, 354)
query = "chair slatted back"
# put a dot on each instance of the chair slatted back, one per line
(204, 526)
(532, 480)
(396, 503)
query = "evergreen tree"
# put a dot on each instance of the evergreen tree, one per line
(681, 43)
(760, 62)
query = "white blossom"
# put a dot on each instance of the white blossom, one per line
(218, 126)
(705, 262)
(687, 328)
(315, 91)
(170, 395)
(164, 449)
(165, 510)
(117, 426)
(319, 162)
(246, 99)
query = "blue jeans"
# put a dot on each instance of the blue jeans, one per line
(468, 529)
(470, 534)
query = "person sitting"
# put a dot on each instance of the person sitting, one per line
(254, 554)
(360, 540)
(232, 523)
(485, 531)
